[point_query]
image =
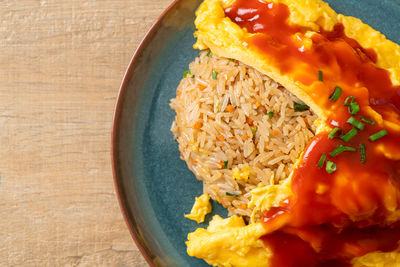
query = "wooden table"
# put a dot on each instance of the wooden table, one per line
(61, 64)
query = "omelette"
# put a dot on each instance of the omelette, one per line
(340, 205)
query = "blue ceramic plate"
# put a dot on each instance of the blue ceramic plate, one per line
(154, 186)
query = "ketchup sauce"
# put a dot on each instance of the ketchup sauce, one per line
(331, 217)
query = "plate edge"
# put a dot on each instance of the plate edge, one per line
(130, 222)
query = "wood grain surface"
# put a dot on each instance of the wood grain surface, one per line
(61, 64)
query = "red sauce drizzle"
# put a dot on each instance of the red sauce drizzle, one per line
(331, 218)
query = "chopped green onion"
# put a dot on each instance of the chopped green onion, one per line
(348, 100)
(350, 134)
(354, 108)
(330, 166)
(320, 75)
(214, 74)
(378, 135)
(225, 164)
(253, 130)
(270, 114)
(332, 134)
(356, 123)
(209, 54)
(336, 94)
(186, 73)
(231, 195)
(300, 107)
(362, 152)
(231, 60)
(368, 121)
(321, 160)
(341, 149)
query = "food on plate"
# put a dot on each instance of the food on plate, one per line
(201, 208)
(291, 117)
(229, 238)
(233, 149)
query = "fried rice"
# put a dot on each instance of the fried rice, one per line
(237, 128)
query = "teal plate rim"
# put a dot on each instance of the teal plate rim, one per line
(121, 195)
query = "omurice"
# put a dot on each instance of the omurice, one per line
(291, 118)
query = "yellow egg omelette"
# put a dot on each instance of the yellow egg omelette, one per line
(341, 204)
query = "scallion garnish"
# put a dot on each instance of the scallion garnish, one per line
(253, 130)
(270, 114)
(300, 107)
(214, 74)
(231, 195)
(225, 164)
(336, 94)
(209, 54)
(333, 134)
(362, 152)
(341, 149)
(186, 73)
(367, 121)
(330, 166)
(231, 60)
(378, 135)
(350, 134)
(356, 123)
(348, 100)
(354, 108)
(320, 75)
(321, 160)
